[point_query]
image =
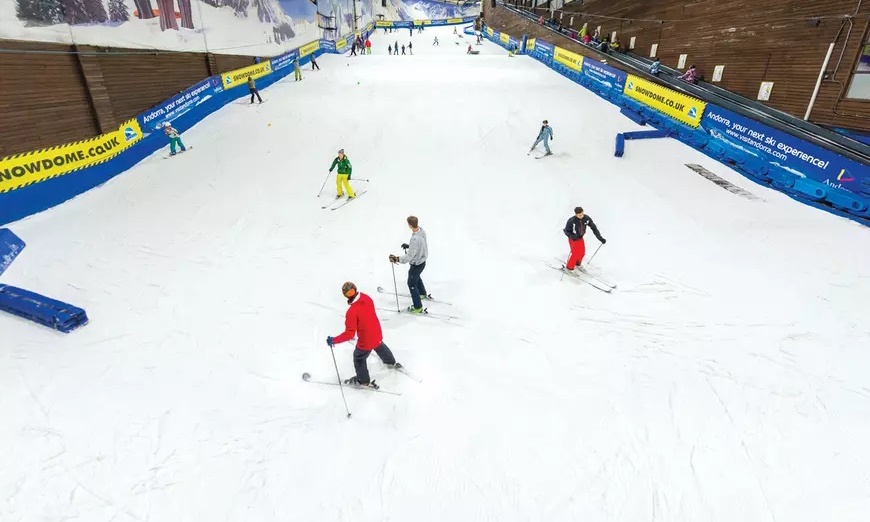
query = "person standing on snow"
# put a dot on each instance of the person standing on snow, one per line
(252, 87)
(410, 48)
(396, 48)
(416, 253)
(435, 43)
(545, 135)
(314, 63)
(389, 49)
(362, 321)
(368, 46)
(174, 138)
(296, 69)
(343, 178)
(403, 50)
(575, 229)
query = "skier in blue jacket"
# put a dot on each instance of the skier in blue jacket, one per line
(545, 135)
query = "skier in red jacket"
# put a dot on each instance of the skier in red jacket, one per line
(362, 321)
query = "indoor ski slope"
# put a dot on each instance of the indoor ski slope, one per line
(725, 379)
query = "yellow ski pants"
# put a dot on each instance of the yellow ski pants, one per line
(342, 181)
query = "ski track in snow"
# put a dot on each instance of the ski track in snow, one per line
(724, 379)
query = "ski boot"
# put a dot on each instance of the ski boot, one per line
(396, 366)
(353, 381)
(412, 310)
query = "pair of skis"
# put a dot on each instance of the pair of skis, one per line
(426, 313)
(339, 202)
(307, 378)
(178, 153)
(581, 274)
(544, 155)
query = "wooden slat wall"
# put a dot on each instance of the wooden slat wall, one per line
(52, 99)
(136, 82)
(755, 41)
(43, 99)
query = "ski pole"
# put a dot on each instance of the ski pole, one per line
(366, 180)
(396, 287)
(340, 386)
(324, 184)
(593, 254)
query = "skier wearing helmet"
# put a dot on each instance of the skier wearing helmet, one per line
(362, 321)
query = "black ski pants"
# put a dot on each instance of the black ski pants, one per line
(415, 284)
(255, 92)
(359, 361)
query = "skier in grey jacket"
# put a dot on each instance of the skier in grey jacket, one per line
(416, 253)
(545, 135)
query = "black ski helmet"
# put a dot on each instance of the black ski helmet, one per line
(349, 290)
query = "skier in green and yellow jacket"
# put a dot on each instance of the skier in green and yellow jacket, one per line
(343, 177)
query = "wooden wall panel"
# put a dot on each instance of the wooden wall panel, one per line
(755, 41)
(136, 82)
(62, 94)
(43, 98)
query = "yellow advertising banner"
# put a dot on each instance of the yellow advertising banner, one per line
(307, 49)
(530, 44)
(383, 23)
(28, 168)
(489, 31)
(677, 105)
(418, 22)
(341, 44)
(505, 38)
(238, 77)
(454, 20)
(568, 59)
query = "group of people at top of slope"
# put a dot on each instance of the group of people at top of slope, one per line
(361, 319)
(394, 49)
(410, 30)
(364, 46)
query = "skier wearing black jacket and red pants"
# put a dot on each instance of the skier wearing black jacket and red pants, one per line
(575, 229)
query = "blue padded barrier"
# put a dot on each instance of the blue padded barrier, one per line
(846, 201)
(40, 309)
(10, 246)
(781, 178)
(633, 116)
(808, 188)
(645, 135)
(620, 145)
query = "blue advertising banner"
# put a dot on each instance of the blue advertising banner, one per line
(543, 50)
(604, 75)
(328, 46)
(438, 22)
(154, 118)
(285, 60)
(801, 159)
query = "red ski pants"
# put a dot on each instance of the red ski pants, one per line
(578, 250)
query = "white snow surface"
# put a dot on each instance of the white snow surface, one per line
(725, 379)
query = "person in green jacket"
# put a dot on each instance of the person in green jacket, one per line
(296, 69)
(343, 177)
